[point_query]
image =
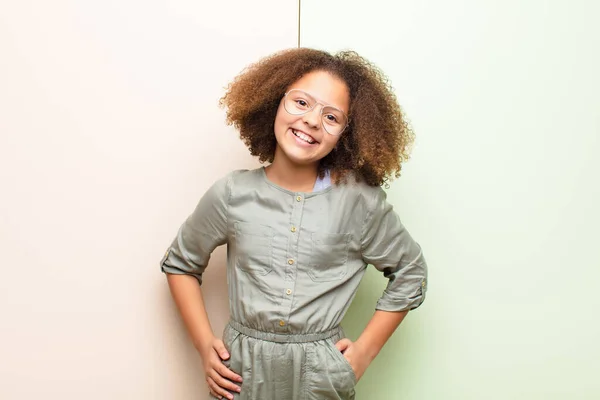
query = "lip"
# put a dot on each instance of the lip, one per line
(311, 136)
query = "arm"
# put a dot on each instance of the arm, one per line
(187, 295)
(388, 246)
(184, 263)
(379, 330)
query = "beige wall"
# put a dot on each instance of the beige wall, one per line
(109, 134)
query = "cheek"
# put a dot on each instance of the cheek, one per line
(283, 119)
(330, 141)
(278, 117)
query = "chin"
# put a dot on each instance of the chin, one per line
(298, 159)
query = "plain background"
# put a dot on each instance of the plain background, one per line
(502, 192)
(110, 132)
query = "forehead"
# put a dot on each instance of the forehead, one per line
(326, 88)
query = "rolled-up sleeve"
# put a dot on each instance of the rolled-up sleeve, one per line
(200, 234)
(388, 246)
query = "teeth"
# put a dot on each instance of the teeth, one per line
(302, 136)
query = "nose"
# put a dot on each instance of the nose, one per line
(313, 117)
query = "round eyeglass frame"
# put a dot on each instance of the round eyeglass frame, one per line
(320, 112)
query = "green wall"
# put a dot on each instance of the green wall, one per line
(501, 192)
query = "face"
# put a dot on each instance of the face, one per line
(302, 139)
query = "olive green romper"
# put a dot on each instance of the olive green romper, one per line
(294, 263)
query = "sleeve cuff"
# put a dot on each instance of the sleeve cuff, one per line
(168, 269)
(387, 302)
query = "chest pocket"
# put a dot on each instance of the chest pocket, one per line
(254, 247)
(328, 256)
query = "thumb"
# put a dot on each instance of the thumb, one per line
(220, 349)
(343, 344)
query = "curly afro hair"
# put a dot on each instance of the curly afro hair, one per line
(373, 146)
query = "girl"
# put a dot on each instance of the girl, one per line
(301, 231)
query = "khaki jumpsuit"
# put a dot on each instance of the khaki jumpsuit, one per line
(294, 263)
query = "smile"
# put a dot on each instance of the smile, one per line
(303, 136)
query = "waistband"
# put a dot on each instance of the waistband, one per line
(285, 337)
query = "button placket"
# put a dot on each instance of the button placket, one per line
(292, 255)
(291, 264)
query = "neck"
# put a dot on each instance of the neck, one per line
(293, 177)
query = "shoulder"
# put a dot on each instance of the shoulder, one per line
(244, 178)
(360, 191)
(235, 181)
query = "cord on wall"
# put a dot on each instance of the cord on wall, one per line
(299, 8)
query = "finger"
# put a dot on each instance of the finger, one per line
(343, 344)
(218, 390)
(228, 373)
(219, 347)
(213, 387)
(224, 383)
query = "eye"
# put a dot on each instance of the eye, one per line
(331, 118)
(302, 103)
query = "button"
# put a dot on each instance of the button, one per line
(299, 198)
(288, 292)
(423, 283)
(290, 261)
(281, 323)
(293, 229)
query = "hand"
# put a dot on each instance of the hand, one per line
(219, 378)
(357, 356)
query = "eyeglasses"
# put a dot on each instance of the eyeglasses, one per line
(298, 102)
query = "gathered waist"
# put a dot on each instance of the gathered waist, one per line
(285, 337)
